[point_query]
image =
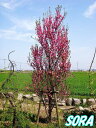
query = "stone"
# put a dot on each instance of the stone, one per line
(76, 101)
(93, 107)
(87, 109)
(69, 101)
(84, 101)
(9, 94)
(61, 104)
(36, 98)
(67, 108)
(34, 95)
(27, 96)
(58, 100)
(1, 95)
(81, 108)
(20, 96)
(91, 101)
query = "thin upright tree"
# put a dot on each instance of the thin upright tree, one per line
(51, 59)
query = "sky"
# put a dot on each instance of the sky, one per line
(17, 27)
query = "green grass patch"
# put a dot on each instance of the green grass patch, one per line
(18, 81)
(78, 82)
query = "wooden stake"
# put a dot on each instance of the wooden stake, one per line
(42, 100)
(90, 70)
(39, 111)
(45, 107)
(56, 107)
(92, 60)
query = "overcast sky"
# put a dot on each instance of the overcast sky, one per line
(17, 25)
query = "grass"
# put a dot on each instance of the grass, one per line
(78, 82)
(18, 81)
(28, 120)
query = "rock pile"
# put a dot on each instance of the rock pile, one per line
(36, 98)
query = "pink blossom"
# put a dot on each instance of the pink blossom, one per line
(50, 60)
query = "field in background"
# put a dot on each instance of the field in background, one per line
(18, 81)
(78, 82)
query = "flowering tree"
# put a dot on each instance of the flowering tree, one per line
(50, 60)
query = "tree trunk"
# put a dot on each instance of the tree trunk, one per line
(50, 109)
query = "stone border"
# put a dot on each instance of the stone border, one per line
(67, 102)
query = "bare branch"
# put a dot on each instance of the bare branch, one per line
(92, 60)
(11, 70)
